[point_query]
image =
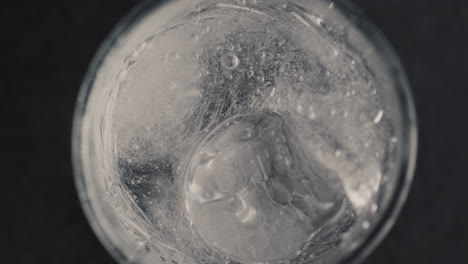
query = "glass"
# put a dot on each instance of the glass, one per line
(244, 132)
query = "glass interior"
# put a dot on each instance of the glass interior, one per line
(244, 132)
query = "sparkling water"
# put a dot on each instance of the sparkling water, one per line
(244, 131)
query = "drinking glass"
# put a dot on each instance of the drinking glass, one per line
(254, 131)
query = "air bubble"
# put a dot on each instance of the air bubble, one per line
(247, 134)
(335, 53)
(262, 58)
(312, 115)
(261, 76)
(134, 55)
(378, 117)
(366, 225)
(319, 21)
(230, 61)
(230, 47)
(273, 90)
(299, 109)
(281, 42)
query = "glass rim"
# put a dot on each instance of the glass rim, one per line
(408, 141)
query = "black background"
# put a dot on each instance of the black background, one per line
(50, 44)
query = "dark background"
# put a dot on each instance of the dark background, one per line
(51, 42)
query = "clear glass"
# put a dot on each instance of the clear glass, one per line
(254, 131)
